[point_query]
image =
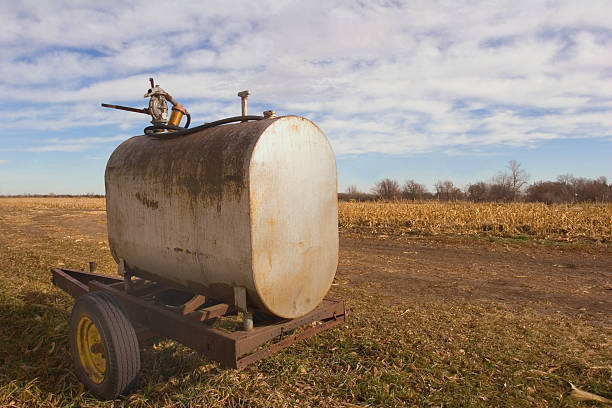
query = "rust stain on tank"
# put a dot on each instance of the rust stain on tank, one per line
(210, 165)
(177, 249)
(153, 204)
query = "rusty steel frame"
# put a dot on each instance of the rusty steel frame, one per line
(192, 326)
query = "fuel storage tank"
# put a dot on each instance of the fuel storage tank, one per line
(250, 205)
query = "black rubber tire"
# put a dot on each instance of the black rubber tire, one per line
(120, 344)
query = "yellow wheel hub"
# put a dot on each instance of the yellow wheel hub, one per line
(91, 349)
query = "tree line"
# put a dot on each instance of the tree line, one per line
(511, 184)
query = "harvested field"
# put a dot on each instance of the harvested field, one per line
(579, 222)
(435, 317)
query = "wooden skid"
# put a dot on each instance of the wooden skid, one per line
(193, 328)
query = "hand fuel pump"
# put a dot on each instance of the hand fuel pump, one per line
(158, 109)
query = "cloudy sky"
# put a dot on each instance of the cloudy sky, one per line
(424, 90)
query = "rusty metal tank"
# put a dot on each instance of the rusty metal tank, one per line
(249, 205)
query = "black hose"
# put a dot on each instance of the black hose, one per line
(183, 131)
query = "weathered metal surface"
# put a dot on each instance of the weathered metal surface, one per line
(214, 344)
(193, 304)
(232, 349)
(287, 341)
(210, 312)
(248, 341)
(75, 282)
(250, 205)
(294, 217)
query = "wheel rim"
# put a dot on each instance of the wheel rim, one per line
(91, 349)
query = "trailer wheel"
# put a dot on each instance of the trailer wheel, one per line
(103, 345)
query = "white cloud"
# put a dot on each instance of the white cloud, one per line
(4, 161)
(413, 77)
(74, 144)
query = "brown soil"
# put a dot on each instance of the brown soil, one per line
(570, 281)
(90, 223)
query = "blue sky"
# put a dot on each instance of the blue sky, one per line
(423, 90)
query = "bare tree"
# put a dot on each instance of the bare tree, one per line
(567, 184)
(508, 185)
(518, 178)
(446, 190)
(352, 190)
(352, 193)
(387, 189)
(566, 179)
(570, 189)
(413, 190)
(500, 188)
(548, 192)
(592, 190)
(478, 192)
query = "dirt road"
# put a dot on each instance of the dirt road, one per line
(569, 281)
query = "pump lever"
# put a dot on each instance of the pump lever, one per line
(126, 108)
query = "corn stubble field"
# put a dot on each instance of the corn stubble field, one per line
(391, 352)
(563, 222)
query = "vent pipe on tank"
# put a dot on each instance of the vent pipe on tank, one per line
(243, 96)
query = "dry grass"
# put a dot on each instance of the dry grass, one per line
(530, 220)
(44, 203)
(390, 353)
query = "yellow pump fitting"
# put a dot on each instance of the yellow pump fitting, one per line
(175, 118)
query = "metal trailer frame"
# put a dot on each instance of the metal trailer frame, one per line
(192, 322)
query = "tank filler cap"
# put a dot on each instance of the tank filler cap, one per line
(269, 114)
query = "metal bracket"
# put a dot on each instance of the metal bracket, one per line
(121, 267)
(128, 285)
(240, 300)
